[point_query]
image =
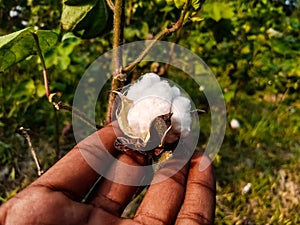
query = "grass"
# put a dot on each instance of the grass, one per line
(265, 152)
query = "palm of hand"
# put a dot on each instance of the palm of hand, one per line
(188, 197)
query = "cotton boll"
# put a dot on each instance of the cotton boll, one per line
(138, 89)
(150, 98)
(181, 118)
(144, 111)
(175, 91)
(161, 89)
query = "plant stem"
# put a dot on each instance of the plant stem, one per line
(118, 77)
(110, 5)
(33, 153)
(57, 147)
(58, 105)
(118, 33)
(79, 114)
(177, 39)
(46, 83)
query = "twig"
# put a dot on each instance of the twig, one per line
(47, 89)
(178, 36)
(36, 161)
(118, 34)
(57, 146)
(158, 37)
(79, 114)
(118, 76)
(46, 83)
(110, 5)
(129, 12)
(57, 105)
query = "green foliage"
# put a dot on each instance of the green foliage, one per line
(217, 10)
(19, 45)
(87, 20)
(252, 47)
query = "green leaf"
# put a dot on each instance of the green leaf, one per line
(170, 2)
(77, 2)
(195, 4)
(95, 22)
(228, 96)
(40, 89)
(137, 30)
(73, 14)
(87, 20)
(219, 10)
(280, 47)
(23, 92)
(17, 46)
(179, 3)
(47, 39)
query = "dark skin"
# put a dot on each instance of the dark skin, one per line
(187, 197)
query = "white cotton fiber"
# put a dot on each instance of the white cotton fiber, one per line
(181, 118)
(154, 97)
(144, 111)
(137, 90)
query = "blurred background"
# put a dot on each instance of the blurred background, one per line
(253, 49)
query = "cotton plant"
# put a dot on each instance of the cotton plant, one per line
(152, 112)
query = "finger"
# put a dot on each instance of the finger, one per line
(199, 202)
(72, 175)
(113, 196)
(163, 199)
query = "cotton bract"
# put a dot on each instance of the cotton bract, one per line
(146, 100)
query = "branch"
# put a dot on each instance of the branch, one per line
(110, 5)
(40, 54)
(79, 114)
(158, 37)
(36, 161)
(58, 105)
(118, 76)
(118, 34)
(177, 39)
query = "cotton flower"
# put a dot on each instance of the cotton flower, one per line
(146, 100)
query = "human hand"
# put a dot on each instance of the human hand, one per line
(187, 197)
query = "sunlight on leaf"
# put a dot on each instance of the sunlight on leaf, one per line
(219, 10)
(17, 46)
(86, 20)
(179, 3)
(73, 14)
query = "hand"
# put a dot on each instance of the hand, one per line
(188, 197)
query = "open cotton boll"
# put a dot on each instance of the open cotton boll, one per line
(149, 98)
(176, 92)
(144, 111)
(181, 118)
(137, 89)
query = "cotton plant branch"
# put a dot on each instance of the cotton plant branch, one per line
(177, 39)
(51, 96)
(110, 5)
(24, 132)
(76, 112)
(120, 72)
(118, 76)
(45, 77)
